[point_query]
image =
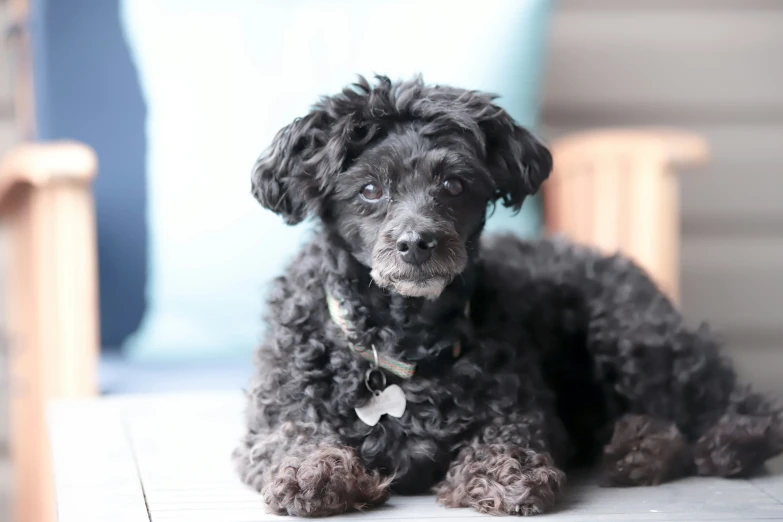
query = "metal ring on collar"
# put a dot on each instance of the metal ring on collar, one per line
(375, 354)
(367, 376)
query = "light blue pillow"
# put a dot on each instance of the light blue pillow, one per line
(221, 77)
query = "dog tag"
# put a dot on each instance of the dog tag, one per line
(390, 401)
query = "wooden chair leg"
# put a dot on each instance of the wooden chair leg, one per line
(617, 190)
(47, 212)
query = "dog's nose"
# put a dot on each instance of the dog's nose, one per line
(416, 247)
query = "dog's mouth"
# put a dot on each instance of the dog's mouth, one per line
(427, 280)
(429, 288)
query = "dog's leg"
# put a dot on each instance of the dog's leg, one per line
(506, 470)
(748, 433)
(669, 373)
(685, 392)
(658, 367)
(301, 471)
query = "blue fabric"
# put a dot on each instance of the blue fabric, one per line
(220, 78)
(86, 89)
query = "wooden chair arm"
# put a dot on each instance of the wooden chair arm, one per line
(667, 146)
(615, 189)
(47, 211)
(40, 164)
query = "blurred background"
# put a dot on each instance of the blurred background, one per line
(176, 99)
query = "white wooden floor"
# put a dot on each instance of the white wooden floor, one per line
(167, 459)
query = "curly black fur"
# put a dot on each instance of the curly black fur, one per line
(564, 350)
(501, 479)
(644, 451)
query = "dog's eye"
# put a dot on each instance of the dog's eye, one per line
(453, 186)
(372, 192)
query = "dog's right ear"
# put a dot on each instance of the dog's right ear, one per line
(290, 178)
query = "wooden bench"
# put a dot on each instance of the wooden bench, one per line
(615, 189)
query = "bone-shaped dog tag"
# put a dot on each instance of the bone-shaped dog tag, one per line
(390, 401)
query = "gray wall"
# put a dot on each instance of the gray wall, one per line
(715, 67)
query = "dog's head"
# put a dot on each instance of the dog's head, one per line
(403, 174)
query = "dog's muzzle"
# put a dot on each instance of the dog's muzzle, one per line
(418, 263)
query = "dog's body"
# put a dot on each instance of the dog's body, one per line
(563, 353)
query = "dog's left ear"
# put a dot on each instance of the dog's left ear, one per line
(518, 161)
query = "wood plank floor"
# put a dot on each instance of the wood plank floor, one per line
(166, 459)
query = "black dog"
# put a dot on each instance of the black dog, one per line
(405, 354)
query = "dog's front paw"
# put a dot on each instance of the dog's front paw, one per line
(643, 452)
(738, 445)
(328, 481)
(502, 479)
